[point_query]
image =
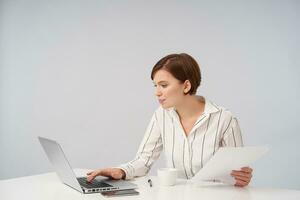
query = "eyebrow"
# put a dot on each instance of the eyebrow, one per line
(160, 82)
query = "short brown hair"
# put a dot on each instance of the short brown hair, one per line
(183, 67)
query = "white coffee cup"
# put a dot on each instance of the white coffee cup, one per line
(167, 176)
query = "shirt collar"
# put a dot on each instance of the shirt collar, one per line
(209, 107)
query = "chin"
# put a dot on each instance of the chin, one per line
(166, 106)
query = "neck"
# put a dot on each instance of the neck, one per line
(191, 106)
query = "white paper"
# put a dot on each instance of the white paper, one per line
(225, 160)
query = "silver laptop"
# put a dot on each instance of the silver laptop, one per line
(67, 175)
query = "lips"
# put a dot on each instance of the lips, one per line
(161, 101)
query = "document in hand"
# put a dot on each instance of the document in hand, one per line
(225, 160)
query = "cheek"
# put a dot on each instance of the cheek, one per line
(172, 92)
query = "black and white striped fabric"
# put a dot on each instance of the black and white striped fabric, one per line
(215, 128)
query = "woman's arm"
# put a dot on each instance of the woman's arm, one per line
(148, 152)
(232, 137)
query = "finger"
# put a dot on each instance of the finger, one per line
(242, 174)
(93, 175)
(90, 178)
(242, 178)
(89, 173)
(240, 183)
(247, 169)
(237, 171)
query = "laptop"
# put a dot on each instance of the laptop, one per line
(66, 174)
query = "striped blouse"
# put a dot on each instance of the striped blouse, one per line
(215, 127)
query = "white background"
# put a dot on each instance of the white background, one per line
(79, 72)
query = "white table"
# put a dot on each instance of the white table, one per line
(48, 186)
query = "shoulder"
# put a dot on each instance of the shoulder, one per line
(224, 113)
(224, 117)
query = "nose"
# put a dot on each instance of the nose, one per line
(157, 92)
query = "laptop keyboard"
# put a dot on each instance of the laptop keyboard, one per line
(94, 184)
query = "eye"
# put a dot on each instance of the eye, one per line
(164, 85)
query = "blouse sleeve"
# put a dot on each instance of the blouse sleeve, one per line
(232, 136)
(148, 152)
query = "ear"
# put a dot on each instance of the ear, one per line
(187, 86)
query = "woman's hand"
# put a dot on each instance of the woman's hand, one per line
(242, 177)
(114, 173)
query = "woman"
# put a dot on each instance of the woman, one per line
(189, 129)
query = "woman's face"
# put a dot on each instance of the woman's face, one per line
(168, 89)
